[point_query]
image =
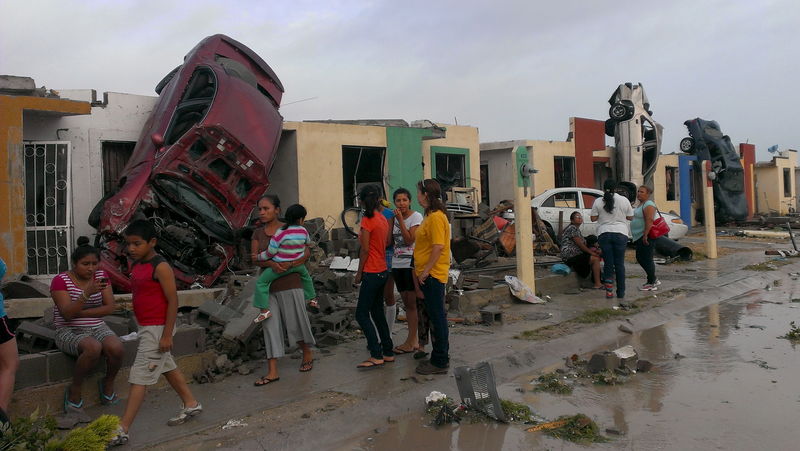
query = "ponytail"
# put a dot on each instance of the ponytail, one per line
(609, 186)
(370, 198)
(433, 191)
(83, 249)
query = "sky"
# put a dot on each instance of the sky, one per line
(514, 69)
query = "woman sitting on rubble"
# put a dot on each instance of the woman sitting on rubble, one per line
(577, 254)
(612, 213)
(83, 297)
(403, 231)
(372, 275)
(286, 298)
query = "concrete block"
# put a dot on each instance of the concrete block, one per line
(60, 366)
(189, 340)
(344, 282)
(120, 325)
(243, 329)
(339, 234)
(48, 317)
(485, 281)
(32, 371)
(15, 84)
(491, 314)
(224, 315)
(603, 361)
(335, 322)
(627, 357)
(32, 337)
(326, 305)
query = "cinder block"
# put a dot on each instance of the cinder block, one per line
(189, 340)
(491, 314)
(485, 281)
(325, 303)
(60, 366)
(33, 337)
(32, 371)
(627, 357)
(224, 315)
(243, 329)
(335, 322)
(339, 234)
(118, 324)
(344, 282)
(603, 361)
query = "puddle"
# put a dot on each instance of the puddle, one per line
(734, 388)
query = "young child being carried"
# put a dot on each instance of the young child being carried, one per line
(155, 304)
(286, 247)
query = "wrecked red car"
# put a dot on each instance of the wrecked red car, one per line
(200, 164)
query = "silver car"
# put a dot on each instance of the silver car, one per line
(564, 201)
(636, 135)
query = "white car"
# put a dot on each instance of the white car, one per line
(566, 200)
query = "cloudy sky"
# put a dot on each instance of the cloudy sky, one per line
(515, 69)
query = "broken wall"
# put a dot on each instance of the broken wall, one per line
(769, 185)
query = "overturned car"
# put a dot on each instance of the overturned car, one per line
(636, 135)
(200, 164)
(707, 142)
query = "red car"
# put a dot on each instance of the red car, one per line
(200, 164)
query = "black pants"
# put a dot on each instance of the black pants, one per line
(434, 304)
(370, 304)
(644, 256)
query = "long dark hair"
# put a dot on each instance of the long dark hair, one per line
(433, 191)
(294, 214)
(83, 249)
(609, 186)
(370, 196)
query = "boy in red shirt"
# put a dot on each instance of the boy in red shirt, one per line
(155, 304)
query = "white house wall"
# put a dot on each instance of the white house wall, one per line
(120, 119)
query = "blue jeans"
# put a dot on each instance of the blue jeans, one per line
(370, 304)
(434, 304)
(613, 246)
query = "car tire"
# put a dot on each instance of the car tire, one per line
(628, 190)
(549, 229)
(167, 78)
(620, 112)
(611, 125)
(687, 145)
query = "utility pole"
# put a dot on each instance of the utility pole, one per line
(708, 210)
(523, 220)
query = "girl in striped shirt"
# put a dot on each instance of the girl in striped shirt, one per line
(286, 247)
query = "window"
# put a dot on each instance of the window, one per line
(588, 199)
(361, 166)
(485, 184)
(115, 156)
(787, 183)
(564, 171)
(601, 173)
(450, 170)
(194, 104)
(671, 182)
(562, 200)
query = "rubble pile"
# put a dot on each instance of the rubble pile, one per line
(602, 368)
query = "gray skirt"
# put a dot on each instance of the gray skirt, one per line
(289, 319)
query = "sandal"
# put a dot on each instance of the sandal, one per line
(388, 359)
(306, 366)
(106, 400)
(398, 350)
(369, 364)
(69, 405)
(265, 381)
(420, 354)
(262, 316)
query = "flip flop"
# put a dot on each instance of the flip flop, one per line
(306, 366)
(420, 355)
(69, 404)
(368, 365)
(389, 359)
(398, 350)
(262, 316)
(105, 399)
(261, 383)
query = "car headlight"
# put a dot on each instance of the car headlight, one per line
(677, 221)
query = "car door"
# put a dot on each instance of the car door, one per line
(587, 200)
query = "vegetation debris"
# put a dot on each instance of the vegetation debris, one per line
(793, 334)
(576, 428)
(552, 383)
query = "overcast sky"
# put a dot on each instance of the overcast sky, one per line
(515, 69)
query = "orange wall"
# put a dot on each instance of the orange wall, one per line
(12, 171)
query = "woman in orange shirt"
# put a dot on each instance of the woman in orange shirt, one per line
(372, 275)
(432, 268)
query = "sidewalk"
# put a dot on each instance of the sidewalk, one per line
(337, 401)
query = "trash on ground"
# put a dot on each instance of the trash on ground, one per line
(521, 291)
(233, 423)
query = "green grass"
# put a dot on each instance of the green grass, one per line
(599, 316)
(579, 429)
(552, 383)
(771, 265)
(516, 412)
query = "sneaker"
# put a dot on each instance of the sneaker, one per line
(426, 367)
(657, 282)
(120, 437)
(648, 287)
(185, 414)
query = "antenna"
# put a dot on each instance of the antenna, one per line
(298, 101)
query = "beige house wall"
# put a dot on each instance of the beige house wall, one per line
(319, 162)
(543, 153)
(769, 190)
(660, 184)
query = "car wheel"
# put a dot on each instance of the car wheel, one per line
(619, 112)
(610, 126)
(164, 81)
(687, 145)
(628, 190)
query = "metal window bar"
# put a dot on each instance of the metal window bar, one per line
(48, 221)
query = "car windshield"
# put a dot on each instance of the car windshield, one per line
(193, 206)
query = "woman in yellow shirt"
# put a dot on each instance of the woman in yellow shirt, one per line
(432, 266)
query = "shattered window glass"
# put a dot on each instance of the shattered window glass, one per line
(190, 199)
(220, 168)
(242, 188)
